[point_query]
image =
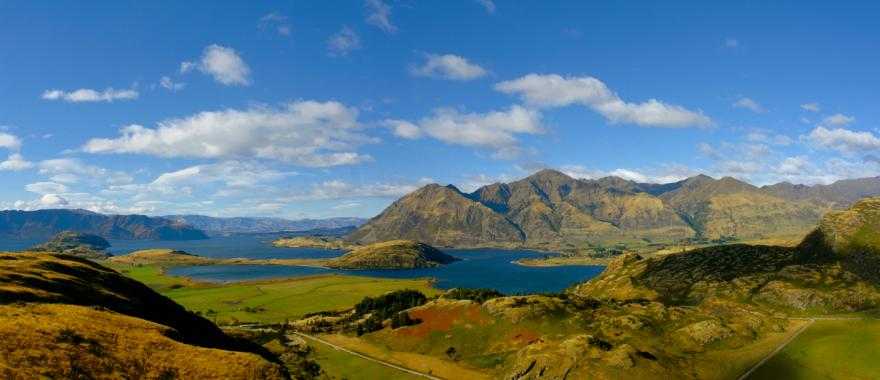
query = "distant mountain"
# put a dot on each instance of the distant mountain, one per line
(552, 210)
(222, 226)
(42, 224)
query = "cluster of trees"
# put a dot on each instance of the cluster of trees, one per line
(478, 295)
(390, 305)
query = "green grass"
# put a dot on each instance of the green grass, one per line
(829, 349)
(270, 301)
(342, 365)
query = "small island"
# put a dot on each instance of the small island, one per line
(394, 254)
(321, 242)
(77, 244)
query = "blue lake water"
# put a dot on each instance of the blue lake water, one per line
(479, 268)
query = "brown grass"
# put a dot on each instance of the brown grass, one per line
(67, 341)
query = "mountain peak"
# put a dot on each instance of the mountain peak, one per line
(549, 174)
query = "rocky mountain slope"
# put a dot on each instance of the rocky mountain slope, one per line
(552, 210)
(42, 224)
(238, 225)
(65, 317)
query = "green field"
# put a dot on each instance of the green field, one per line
(342, 365)
(829, 349)
(270, 301)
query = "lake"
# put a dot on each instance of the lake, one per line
(479, 268)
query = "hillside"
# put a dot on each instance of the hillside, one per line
(551, 210)
(72, 318)
(42, 224)
(238, 225)
(395, 254)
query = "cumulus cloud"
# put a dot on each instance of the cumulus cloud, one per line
(837, 120)
(343, 42)
(277, 22)
(448, 66)
(379, 15)
(339, 189)
(811, 107)
(46, 188)
(749, 104)
(223, 64)
(488, 4)
(769, 138)
(231, 174)
(84, 95)
(496, 130)
(307, 133)
(9, 141)
(52, 200)
(15, 162)
(843, 140)
(403, 128)
(665, 174)
(556, 91)
(72, 170)
(171, 85)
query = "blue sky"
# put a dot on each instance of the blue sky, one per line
(319, 109)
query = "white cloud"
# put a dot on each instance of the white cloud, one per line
(495, 130)
(338, 189)
(170, 85)
(665, 174)
(843, 140)
(15, 162)
(837, 120)
(52, 200)
(793, 165)
(71, 170)
(749, 104)
(343, 42)
(223, 64)
(403, 128)
(9, 141)
(448, 66)
(307, 133)
(731, 43)
(276, 22)
(88, 95)
(187, 66)
(379, 15)
(46, 188)
(556, 91)
(231, 174)
(811, 107)
(767, 138)
(488, 4)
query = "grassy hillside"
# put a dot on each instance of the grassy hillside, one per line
(73, 318)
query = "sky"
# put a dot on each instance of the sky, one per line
(319, 109)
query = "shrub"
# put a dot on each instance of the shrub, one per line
(402, 319)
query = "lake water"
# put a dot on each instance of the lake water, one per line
(479, 268)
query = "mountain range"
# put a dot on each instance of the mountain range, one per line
(552, 210)
(42, 224)
(237, 225)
